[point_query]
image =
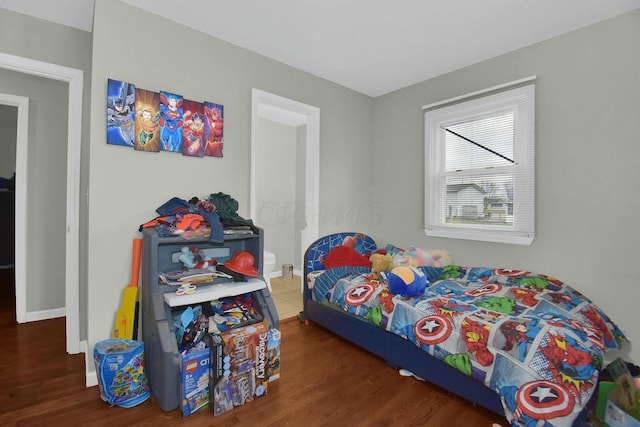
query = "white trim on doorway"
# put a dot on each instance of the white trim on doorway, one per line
(292, 113)
(74, 78)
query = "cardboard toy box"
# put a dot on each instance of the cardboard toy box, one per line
(623, 403)
(195, 381)
(239, 366)
(615, 416)
(273, 354)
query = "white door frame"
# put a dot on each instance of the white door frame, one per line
(284, 110)
(74, 78)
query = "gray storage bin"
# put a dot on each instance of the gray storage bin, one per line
(162, 358)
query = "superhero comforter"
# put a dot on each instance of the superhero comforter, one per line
(533, 339)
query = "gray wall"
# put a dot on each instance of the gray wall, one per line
(587, 152)
(133, 184)
(8, 133)
(276, 189)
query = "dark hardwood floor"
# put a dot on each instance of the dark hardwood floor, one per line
(324, 381)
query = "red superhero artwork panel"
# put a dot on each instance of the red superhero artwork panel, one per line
(193, 142)
(171, 122)
(214, 129)
(147, 121)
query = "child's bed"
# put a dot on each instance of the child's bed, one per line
(520, 344)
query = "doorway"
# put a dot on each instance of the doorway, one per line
(305, 121)
(74, 79)
(8, 131)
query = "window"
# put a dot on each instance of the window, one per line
(480, 167)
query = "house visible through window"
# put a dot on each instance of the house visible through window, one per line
(480, 165)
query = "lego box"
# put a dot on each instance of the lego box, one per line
(195, 381)
(239, 367)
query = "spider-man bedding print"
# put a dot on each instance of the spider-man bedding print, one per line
(533, 339)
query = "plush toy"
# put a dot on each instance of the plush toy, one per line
(406, 281)
(186, 257)
(381, 262)
(195, 258)
(416, 257)
(342, 256)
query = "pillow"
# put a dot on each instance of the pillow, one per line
(344, 256)
(417, 257)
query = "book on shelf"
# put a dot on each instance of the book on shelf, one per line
(238, 229)
(194, 276)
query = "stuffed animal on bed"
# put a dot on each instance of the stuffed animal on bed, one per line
(416, 257)
(406, 281)
(381, 262)
(341, 256)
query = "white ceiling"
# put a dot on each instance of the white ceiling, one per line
(371, 46)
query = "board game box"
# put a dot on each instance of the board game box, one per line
(240, 367)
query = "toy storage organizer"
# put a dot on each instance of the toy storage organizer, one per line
(159, 254)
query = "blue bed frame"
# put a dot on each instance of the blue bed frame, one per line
(396, 351)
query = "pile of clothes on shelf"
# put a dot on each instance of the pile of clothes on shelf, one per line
(199, 218)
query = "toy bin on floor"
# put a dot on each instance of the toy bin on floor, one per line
(120, 369)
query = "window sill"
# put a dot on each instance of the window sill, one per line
(493, 236)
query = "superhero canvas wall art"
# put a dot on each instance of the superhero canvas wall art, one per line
(163, 121)
(120, 110)
(193, 142)
(214, 129)
(171, 122)
(147, 121)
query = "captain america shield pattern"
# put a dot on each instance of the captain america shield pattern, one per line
(510, 273)
(432, 330)
(359, 295)
(544, 400)
(489, 288)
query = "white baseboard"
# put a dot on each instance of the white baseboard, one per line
(34, 316)
(90, 377)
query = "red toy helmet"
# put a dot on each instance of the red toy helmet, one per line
(243, 263)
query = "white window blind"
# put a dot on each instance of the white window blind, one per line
(480, 167)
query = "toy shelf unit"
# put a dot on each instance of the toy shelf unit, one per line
(159, 301)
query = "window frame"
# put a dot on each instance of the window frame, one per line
(520, 100)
